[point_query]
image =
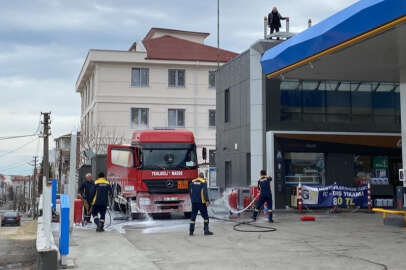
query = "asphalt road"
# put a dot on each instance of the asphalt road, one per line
(17, 246)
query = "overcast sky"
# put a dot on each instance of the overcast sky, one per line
(43, 44)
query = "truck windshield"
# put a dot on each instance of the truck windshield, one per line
(169, 158)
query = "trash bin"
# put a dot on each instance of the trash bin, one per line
(78, 211)
(399, 197)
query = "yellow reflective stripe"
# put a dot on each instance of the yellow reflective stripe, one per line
(101, 181)
(202, 195)
(199, 179)
(206, 221)
(192, 222)
(339, 46)
(94, 198)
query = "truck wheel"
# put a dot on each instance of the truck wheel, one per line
(137, 215)
(161, 215)
(187, 214)
(116, 207)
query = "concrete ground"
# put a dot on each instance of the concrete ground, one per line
(333, 241)
(17, 246)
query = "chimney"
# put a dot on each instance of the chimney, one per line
(133, 47)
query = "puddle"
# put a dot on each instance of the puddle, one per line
(146, 225)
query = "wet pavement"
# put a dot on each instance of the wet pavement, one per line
(344, 240)
(333, 241)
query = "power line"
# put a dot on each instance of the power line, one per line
(15, 150)
(36, 132)
(17, 137)
(16, 165)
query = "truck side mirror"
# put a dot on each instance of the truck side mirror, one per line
(139, 156)
(204, 153)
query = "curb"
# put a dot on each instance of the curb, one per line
(46, 248)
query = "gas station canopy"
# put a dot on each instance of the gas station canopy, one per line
(364, 42)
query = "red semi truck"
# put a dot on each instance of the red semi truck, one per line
(153, 174)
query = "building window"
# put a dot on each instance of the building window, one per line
(212, 158)
(371, 169)
(304, 167)
(140, 77)
(176, 78)
(227, 105)
(212, 79)
(339, 101)
(176, 118)
(212, 118)
(139, 117)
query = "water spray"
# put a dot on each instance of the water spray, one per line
(225, 199)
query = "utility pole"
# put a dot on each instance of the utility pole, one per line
(46, 184)
(24, 199)
(218, 34)
(33, 186)
(60, 172)
(45, 158)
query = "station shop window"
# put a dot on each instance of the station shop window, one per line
(339, 101)
(373, 169)
(306, 168)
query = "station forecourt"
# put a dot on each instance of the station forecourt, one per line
(333, 105)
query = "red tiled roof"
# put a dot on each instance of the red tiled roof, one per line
(172, 48)
(175, 31)
(20, 178)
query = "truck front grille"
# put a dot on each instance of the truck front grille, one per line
(164, 186)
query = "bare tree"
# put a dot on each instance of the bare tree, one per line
(97, 140)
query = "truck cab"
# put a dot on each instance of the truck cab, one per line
(152, 175)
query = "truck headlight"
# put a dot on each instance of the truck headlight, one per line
(144, 201)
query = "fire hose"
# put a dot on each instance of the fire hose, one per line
(261, 228)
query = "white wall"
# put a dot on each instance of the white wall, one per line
(114, 97)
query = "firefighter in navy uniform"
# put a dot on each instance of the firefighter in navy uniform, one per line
(85, 191)
(200, 201)
(102, 190)
(264, 186)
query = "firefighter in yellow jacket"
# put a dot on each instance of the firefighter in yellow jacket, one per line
(200, 201)
(102, 190)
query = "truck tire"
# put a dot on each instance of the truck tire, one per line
(161, 215)
(137, 216)
(187, 214)
(116, 206)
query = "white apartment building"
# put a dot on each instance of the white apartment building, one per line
(168, 80)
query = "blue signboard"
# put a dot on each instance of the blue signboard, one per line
(54, 187)
(64, 230)
(335, 195)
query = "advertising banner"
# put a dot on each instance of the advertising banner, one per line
(335, 195)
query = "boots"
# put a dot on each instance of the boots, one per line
(255, 214)
(270, 216)
(97, 222)
(206, 229)
(191, 228)
(102, 226)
